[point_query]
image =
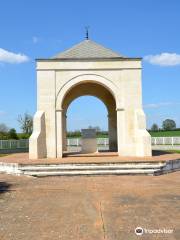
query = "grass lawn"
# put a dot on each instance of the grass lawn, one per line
(153, 134)
(173, 151)
(98, 136)
(165, 134)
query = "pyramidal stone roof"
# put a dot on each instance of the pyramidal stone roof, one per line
(87, 49)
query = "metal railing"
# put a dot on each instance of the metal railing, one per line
(105, 141)
(24, 143)
(14, 144)
(165, 141)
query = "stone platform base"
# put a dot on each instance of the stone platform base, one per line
(94, 164)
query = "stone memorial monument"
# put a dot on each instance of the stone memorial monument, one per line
(89, 68)
(89, 141)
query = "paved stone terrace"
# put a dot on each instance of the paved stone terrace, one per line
(89, 208)
(89, 158)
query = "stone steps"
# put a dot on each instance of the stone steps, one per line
(94, 172)
(92, 169)
(78, 169)
(89, 166)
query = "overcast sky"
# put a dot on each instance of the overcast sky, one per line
(40, 29)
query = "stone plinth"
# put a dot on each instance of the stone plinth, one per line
(89, 141)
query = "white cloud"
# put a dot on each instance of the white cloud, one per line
(10, 57)
(35, 39)
(164, 59)
(158, 105)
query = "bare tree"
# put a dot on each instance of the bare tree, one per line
(26, 123)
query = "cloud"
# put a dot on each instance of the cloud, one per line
(162, 104)
(10, 57)
(35, 39)
(164, 59)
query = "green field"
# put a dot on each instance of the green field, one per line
(165, 134)
(153, 134)
(173, 151)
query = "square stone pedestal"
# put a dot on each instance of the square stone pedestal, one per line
(89, 141)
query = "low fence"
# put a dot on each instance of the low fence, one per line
(14, 144)
(105, 141)
(165, 141)
(24, 143)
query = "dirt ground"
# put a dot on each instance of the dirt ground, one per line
(89, 208)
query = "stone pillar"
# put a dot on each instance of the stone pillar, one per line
(37, 141)
(112, 130)
(121, 131)
(142, 138)
(64, 129)
(59, 133)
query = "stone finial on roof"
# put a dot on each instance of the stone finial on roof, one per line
(87, 32)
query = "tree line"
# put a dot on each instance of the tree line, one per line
(77, 133)
(167, 125)
(26, 125)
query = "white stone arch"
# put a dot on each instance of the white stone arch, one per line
(91, 88)
(66, 88)
(106, 83)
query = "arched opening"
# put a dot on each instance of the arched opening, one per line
(105, 96)
(86, 112)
